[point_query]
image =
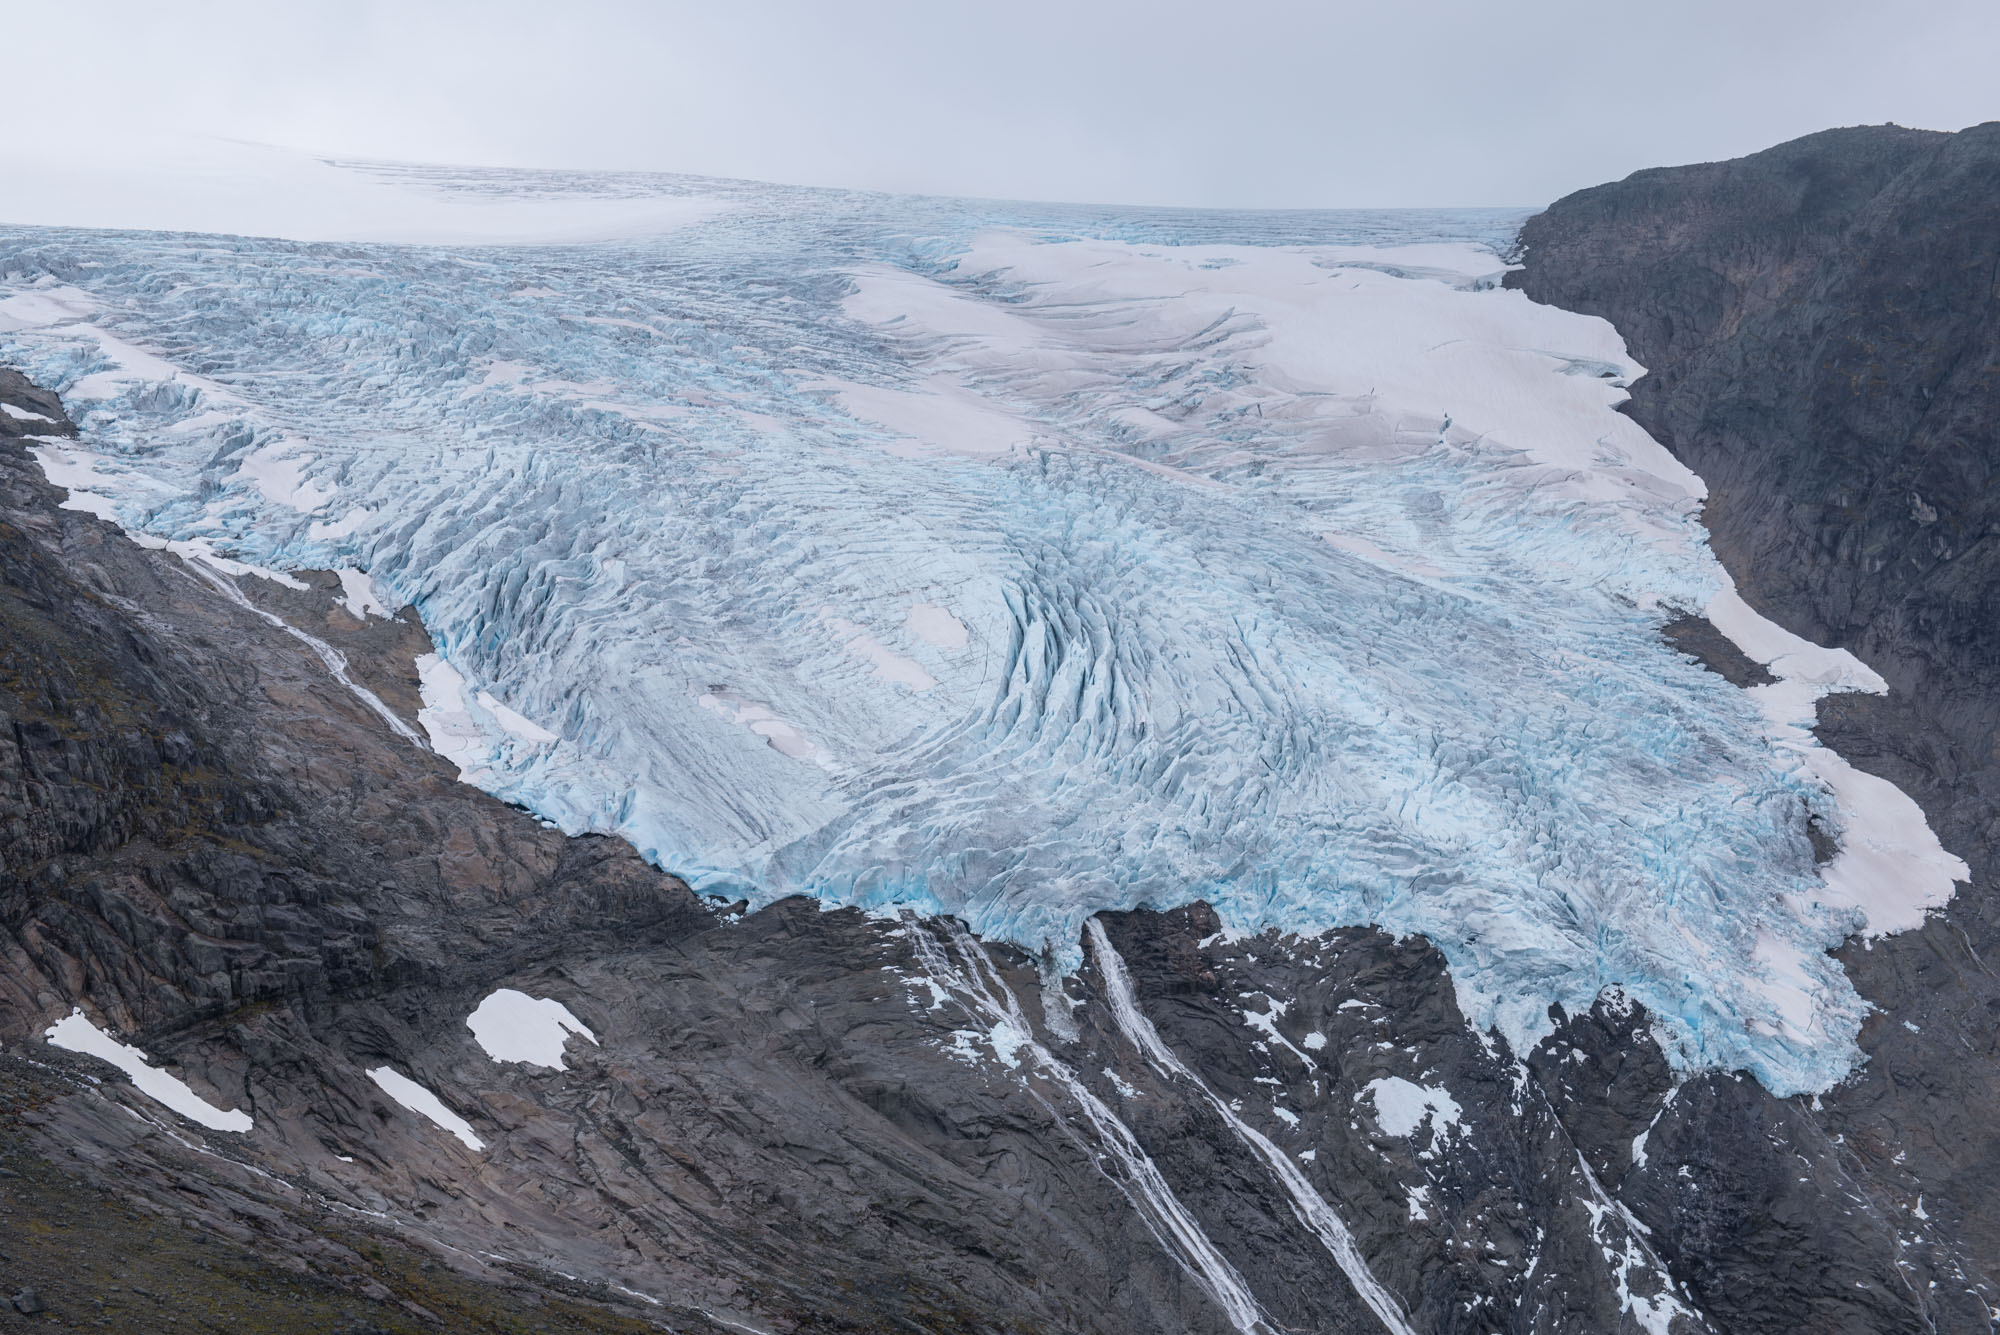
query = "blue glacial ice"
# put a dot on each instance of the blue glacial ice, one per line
(1018, 563)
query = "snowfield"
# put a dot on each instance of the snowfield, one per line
(1019, 563)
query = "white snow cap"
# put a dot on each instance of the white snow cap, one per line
(199, 183)
(77, 1034)
(515, 1027)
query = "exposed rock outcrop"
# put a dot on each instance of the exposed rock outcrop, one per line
(1822, 326)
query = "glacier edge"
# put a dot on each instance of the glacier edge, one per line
(1320, 581)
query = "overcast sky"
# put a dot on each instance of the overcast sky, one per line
(1249, 102)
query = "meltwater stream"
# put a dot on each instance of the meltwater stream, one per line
(1018, 563)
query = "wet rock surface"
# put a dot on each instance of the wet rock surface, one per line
(1822, 326)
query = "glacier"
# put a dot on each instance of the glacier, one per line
(1019, 562)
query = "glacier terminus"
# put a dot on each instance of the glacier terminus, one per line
(1020, 562)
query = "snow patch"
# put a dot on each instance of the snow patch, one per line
(887, 663)
(467, 727)
(761, 719)
(936, 626)
(199, 549)
(345, 527)
(938, 421)
(1890, 867)
(279, 473)
(425, 1104)
(1401, 1106)
(77, 469)
(515, 1027)
(360, 597)
(1005, 1039)
(77, 1034)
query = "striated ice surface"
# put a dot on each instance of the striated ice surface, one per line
(1020, 562)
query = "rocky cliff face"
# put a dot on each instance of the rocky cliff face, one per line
(213, 844)
(1822, 326)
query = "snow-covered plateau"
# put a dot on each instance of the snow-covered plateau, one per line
(1018, 562)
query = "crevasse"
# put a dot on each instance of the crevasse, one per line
(1019, 564)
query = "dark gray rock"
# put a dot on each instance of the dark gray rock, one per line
(1487, 1218)
(1701, 641)
(1822, 326)
(18, 391)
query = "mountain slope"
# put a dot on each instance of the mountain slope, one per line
(1821, 324)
